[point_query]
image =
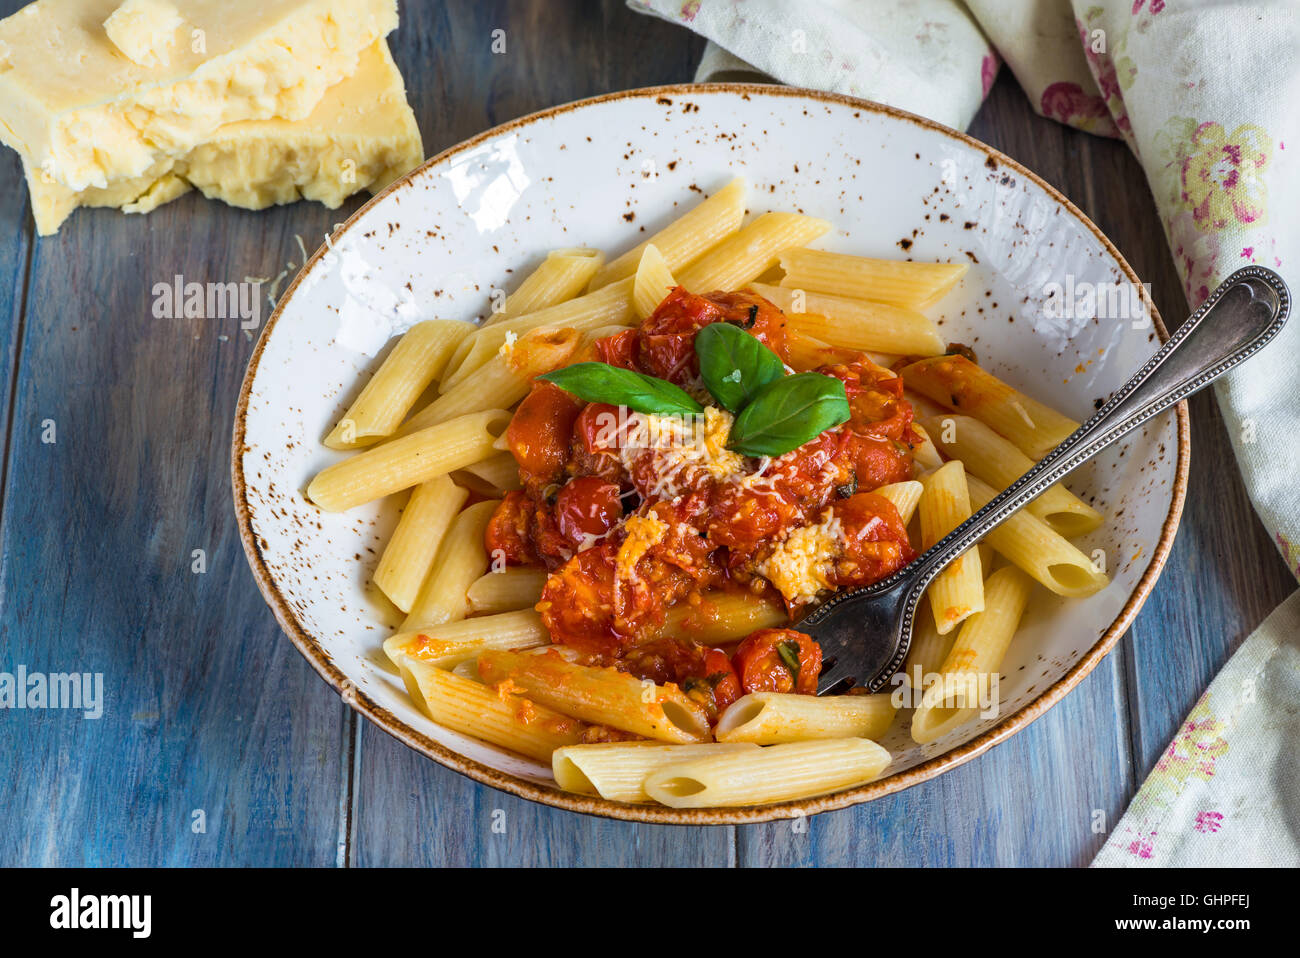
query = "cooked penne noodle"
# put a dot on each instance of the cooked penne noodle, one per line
(687, 238)
(722, 617)
(600, 696)
(999, 463)
(777, 773)
(897, 282)
(927, 651)
(807, 352)
(855, 323)
(925, 457)
(617, 770)
(516, 587)
(508, 721)
(561, 276)
(610, 306)
(504, 379)
(462, 558)
(965, 686)
(450, 644)
(410, 552)
(401, 463)
(770, 718)
(500, 472)
(956, 383)
(743, 257)
(416, 361)
(905, 496)
(958, 591)
(653, 282)
(1028, 542)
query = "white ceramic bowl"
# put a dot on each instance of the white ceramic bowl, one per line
(608, 172)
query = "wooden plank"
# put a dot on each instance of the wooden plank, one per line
(207, 706)
(15, 251)
(409, 810)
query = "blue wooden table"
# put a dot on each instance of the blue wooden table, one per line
(219, 745)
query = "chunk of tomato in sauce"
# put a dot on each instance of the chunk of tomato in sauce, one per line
(666, 340)
(577, 604)
(778, 660)
(507, 533)
(539, 433)
(875, 543)
(619, 349)
(587, 506)
(593, 442)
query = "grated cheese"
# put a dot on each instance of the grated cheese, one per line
(508, 347)
(642, 533)
(801, 563)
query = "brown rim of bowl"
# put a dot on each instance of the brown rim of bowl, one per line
(662, 815)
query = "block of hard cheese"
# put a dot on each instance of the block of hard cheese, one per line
(362, 135)
(79, 108)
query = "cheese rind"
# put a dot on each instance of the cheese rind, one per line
(87, 116)
(362, 135)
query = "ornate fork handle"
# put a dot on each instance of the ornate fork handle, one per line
(1248, 309)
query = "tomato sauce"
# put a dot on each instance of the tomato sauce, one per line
(629, 530)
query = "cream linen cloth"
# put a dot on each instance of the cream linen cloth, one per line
(1207, 95)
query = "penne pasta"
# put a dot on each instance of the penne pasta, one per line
(416, 361)
(448, 645)
(1028, 542)
(925, 457)
(927, 651)
(515, 587)
(777, 773)
(965, 686)
(897, 282)
(905, 496)
(770, 718)
(561, 276)
(999, 463)
(956, 383)
(723, 617)
(617, 770)
(686, 239)
(807, 352)
(413, 547)
(653, 282)
(461, 559)
(500, 473)
(958, 591)
(401, 463)
(600, 696)
(743, 257)
(855, 323)
(505, 720)
(504, 379)
(610, 306)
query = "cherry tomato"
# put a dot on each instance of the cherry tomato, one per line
(875, 540)
(587, 506)
(594, 441)
(778, 660)
(618, 350)
(577, 604)
(719, 673)
(507, 532)
(538, 434)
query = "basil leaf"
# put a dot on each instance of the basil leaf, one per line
(788, 650)
(601, 382)
(787, 413)
(734, 365)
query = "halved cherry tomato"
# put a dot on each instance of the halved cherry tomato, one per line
(595, 439)
(538, 434)
(587, 506)
(507, 534)
(778, 660)
(618, 350)
(719, 673)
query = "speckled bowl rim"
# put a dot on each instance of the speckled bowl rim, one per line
(655, 814)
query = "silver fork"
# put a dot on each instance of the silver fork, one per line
(865, 634)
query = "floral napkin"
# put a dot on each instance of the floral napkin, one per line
(1207, 95)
